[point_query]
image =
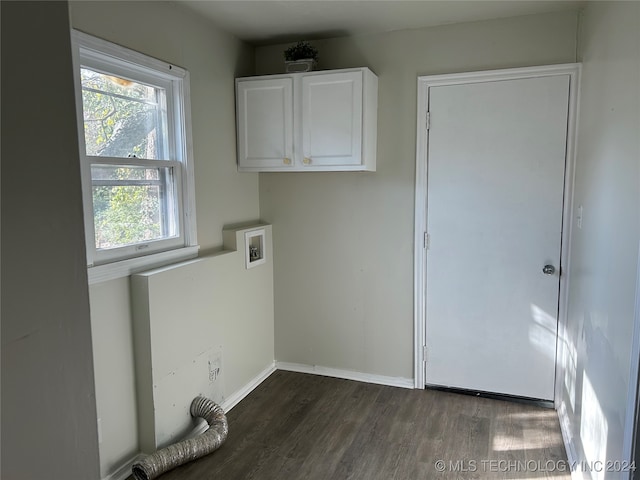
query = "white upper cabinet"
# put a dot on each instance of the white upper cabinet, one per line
(265, 134)
(312, 121)
(332, 119)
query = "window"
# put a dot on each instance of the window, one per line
(137, 175)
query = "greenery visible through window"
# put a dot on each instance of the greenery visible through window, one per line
(134, 163)
(123, 118)
(127, 204)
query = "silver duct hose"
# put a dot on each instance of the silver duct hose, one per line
(188, 450)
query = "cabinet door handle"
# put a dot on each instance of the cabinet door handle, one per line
(286, 161)
(306, 161)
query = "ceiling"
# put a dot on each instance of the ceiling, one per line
(262, 22)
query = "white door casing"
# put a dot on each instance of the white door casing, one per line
(497, 173)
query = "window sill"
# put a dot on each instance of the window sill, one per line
(124, 268)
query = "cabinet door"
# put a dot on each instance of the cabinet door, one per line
(265, 123)
(332, 119)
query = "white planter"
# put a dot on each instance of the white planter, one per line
(302, 65)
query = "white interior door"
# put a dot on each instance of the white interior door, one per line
(496, 163)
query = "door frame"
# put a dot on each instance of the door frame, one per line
(631, 429)
(420, 209)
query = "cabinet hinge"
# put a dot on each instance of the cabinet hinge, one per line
(424, 353)
(427, 240)
(428, 120)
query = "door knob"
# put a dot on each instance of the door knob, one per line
(548, 269)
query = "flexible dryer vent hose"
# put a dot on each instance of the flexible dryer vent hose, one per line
(188, 450)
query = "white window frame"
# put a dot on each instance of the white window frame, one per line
(95, 53)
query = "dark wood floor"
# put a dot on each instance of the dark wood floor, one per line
(297, 426)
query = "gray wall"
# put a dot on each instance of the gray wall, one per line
(170, 32)
(48, 405)
(604, 253)
(344, 241)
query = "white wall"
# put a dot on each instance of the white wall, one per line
(114, 372)
(48, 405)
(202, 327)
(172, 33)
(604, 252)
(223, 196)
(344, 241)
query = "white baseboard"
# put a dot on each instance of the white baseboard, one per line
(237, 396)
(346, 374)
(569, 444)
(125, 470)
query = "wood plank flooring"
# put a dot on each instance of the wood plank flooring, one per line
(305, 427)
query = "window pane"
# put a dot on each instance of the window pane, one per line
(132, 205)
(123, 118)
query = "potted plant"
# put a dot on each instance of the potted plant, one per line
(301, 57)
